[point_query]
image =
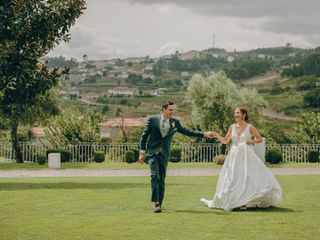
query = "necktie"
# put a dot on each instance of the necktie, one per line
(164, 127)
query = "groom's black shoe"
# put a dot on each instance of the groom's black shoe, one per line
(157, 208)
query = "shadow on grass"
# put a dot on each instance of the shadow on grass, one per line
(11, 186)
(270, 209)
(222, 212)
(215, 211)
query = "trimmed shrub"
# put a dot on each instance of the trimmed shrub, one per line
(273, 156)
(313, 156)
(99, 157)
(219, 159)
(175, 155)
(41, 159)
(65, 154)
(130, 157)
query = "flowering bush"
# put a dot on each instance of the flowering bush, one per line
(219, 159)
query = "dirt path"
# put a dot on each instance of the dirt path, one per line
(91, 103)
(262, 79)
(269, 112)
(139, 172)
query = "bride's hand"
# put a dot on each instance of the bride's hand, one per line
(208, 134)
(214, 134)
(250, 142)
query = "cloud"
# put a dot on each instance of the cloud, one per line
(169, 48)
(126, 28)
(285, 16)
(85, 40)
(296, 25)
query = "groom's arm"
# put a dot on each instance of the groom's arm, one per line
(188, 132)
(145, 134)
(143, 140)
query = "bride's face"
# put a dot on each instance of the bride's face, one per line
(238, 116)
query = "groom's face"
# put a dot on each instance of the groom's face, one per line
(169, 111)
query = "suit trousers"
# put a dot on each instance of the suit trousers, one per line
(158, 168)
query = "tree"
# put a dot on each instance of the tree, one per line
(61, 62)
(307, 130)
(28, 31)
(214, 98)
(69, 127)
(118, 112)
(159, 67)
(309, 66)
(105, 109)
(276, 133)
(312, 99)
(85, 58)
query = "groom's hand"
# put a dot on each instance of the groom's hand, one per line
(209, 134)
(141, 158)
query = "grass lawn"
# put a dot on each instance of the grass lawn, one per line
(121, 165)
(119, 208)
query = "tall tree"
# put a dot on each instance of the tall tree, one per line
(28, 31)
(307, 130)
(215, 97)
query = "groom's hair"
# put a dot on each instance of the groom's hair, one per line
(166, 104)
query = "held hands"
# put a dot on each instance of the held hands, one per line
(211, 134)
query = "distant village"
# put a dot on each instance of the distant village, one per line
(108, 79)
(98, 68)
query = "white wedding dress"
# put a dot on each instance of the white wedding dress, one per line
(244, 180)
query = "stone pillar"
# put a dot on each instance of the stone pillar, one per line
(54, 160)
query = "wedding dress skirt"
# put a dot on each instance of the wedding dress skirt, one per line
(244, 179)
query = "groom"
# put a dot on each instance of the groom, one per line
(156, 139)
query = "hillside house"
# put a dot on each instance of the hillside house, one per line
(147, 75)
(37, 132)
(111, 127)
(153, 92)
(135, 59)
(261, 55)
(124, 91)
(230, 59)
(148, 68)
(185, 74)
(100, 64)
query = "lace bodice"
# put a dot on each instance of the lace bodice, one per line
(244, 136)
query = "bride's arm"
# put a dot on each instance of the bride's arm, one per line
(254, 132)
(224, 139)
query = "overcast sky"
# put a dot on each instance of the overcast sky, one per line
(126, 28)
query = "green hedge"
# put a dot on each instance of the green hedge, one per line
(313, 156)
(99, 157)
(41, 159)
(131, 156)
(175, 155)
(274, 156)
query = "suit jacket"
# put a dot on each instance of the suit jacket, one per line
(154, 142)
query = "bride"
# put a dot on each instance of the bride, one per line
(244, 180)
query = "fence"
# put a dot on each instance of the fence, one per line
(190, 152)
